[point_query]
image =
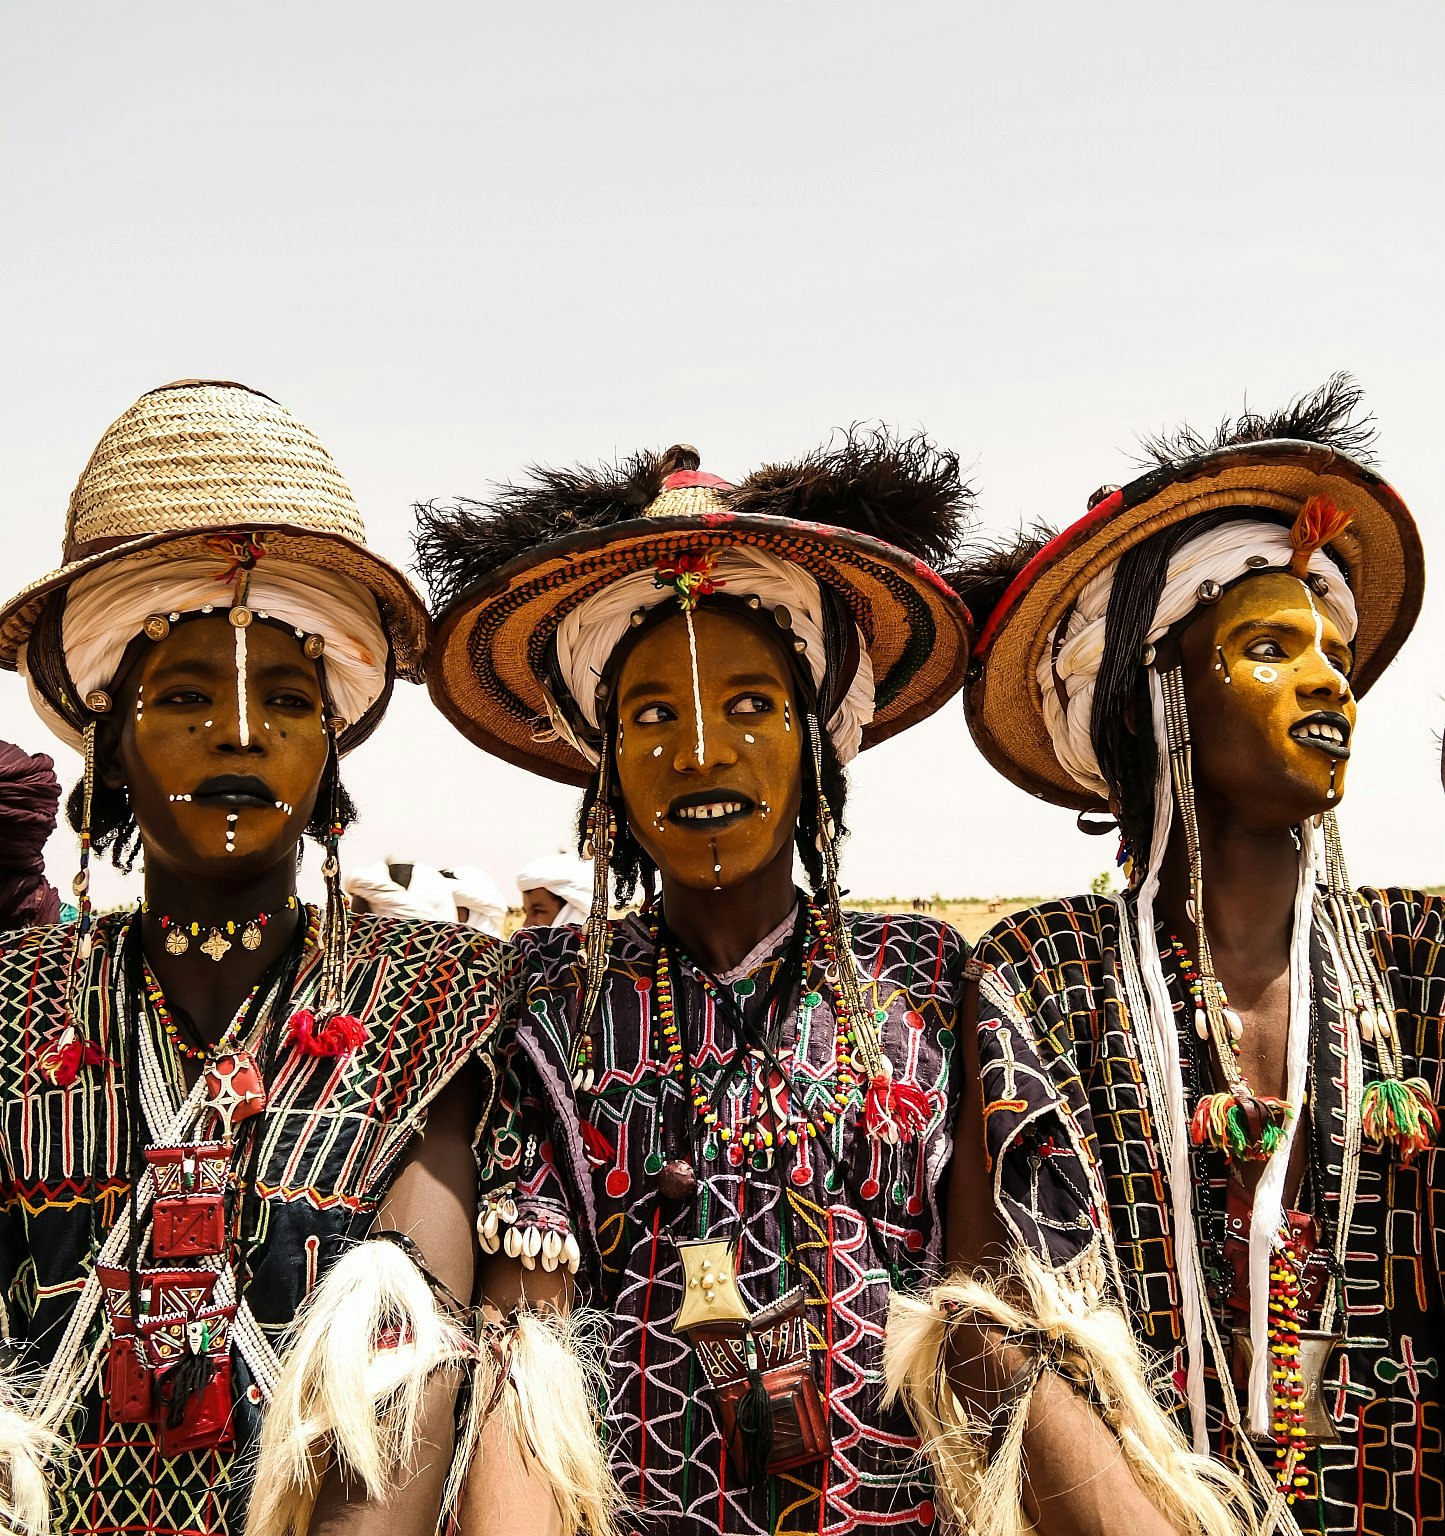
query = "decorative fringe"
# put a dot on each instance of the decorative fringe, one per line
(1319, 521)
(1221, 1121)
(365, 1345)
(1400, 1112)
(558, 1377)
(27, 1448)
(1096, 1351)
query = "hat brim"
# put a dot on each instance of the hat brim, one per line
(487, 657)
(1380, 550)
(403, 613)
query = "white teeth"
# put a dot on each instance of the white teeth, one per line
(710, 812)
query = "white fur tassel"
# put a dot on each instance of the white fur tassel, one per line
(345, 1396)
(27, 1447)
(985, 1495)
(557, 1380)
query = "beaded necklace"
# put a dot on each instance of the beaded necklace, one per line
(1220, 1119)
(227, 1043)
(218, 944)
(796, 1127)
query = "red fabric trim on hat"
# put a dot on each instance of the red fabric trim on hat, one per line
(1025, 578)
(679, 479)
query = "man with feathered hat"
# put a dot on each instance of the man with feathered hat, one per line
(1211, 1101)
(728, 1117)
(211, 1099)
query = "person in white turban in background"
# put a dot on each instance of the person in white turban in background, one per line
(424, 893)
(556, 892)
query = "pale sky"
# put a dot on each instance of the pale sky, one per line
(459, 239)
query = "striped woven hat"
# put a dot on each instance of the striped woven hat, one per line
(1269, 480)
(203, 457)
(862, 518)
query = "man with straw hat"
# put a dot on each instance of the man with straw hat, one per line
(728, 1118)
(1211, 1102)
(210, 1099)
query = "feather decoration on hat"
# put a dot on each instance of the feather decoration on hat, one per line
(992, 568)
(903, 490)
(1325, 416)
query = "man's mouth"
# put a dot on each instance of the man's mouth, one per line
(710, 809)
(1326, 730)
(234, 789)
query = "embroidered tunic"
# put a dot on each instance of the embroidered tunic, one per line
(1081, 1178)
(330, 1140)
(841, 1216)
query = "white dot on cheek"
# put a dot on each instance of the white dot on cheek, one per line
(1266, 675)
(750, 739)
(657, 751)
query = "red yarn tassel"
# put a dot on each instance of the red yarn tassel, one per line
(895, 1112)
(600, 1152)
(61, 1057)
(341, 1034)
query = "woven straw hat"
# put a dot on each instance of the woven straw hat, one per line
(201, 457)
(488, 658)
(1380, 552)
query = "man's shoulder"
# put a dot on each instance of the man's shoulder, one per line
(1078, 928)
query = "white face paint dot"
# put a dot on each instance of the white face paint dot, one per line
(751, 740)
(657, 751)
(1266, 675)
(209, 724)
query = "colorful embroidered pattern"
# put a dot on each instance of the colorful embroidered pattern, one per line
(841, 1215)
(332, 1135)
(1079, 1167)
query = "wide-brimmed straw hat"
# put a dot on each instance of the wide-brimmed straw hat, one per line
(506, 573)
(201, 458)
(1271, 480)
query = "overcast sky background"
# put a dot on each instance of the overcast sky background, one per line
(456, 240)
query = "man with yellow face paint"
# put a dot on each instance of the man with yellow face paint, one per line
(728, 1120)
(1212, 1100)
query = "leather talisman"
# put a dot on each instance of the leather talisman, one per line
(130, 1373)
(189, 1218)
(193, 1379)
(773, 1346)
(235, 1090)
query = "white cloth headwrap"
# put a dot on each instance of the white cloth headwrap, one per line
(107, 608)
(1219, 555)
(589, 634)
(568, 879)
(475, 890)
(428, 897)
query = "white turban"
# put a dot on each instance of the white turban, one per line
(428, 898)
(475, 890)
(107, 608)
(568, 879)
(587, 637)
(1222, 555)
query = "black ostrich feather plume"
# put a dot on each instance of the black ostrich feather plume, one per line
(992, 567)
(904, 490)
(460, 545)
(1327, 416)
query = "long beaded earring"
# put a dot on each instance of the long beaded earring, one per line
(1238, 1121)
(330, 1030)
(1395, 1110)
(596, 931)
(892, 1111)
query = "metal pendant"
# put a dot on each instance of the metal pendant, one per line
(251, 935)
(710, 1285)
(217, 946)
(1315, 1351)
(177, 941)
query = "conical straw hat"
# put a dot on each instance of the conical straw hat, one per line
(201, 457)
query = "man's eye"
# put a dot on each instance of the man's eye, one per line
(751, 704)
(1265, 650)
(654, 714)
(291, 701)
(184, 696)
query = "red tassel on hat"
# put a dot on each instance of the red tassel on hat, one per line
(341, 1034)
(895, 1112)
(63, 1054)
(1319, 521)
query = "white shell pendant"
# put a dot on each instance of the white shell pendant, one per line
(1201, 1024)
(1236, 1025)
